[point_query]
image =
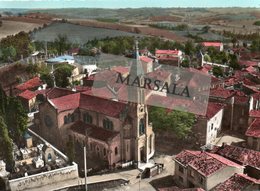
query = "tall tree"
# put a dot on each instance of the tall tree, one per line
(178, 122)
(6, 143)
(62, 44)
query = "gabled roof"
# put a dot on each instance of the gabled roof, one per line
(254, 113)
(27, 94)
(214, 44)
(146, 59)
(93, 131)
(221, 93)
(101, 105)
(173, 52)
(237, 182)
(32, 83)
(121, 69)
(67, 102)
(57, 92)
(254, 129)
(203, 162)
(242, 155)
(213, 109)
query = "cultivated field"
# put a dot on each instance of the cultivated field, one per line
(77, 33)
(14, 27)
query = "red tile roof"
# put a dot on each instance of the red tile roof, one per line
(159, 75)
(242, 155)
(30, 84)
(254, 129)
(146, 59)
(101, 105)
(213, 109)
(254, 113)
(93, 131)
(204, 162)
(170, 52)
(237, 182)
(175, 188)
(67, 102)
(214, 44)
(27, 94)
(121, 69)
(221, 93)
(58, 92)
(247, 63)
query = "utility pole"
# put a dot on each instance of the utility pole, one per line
(85, 167)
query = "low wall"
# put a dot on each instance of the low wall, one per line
(41, 179)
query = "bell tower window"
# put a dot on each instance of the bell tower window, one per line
(141, 127)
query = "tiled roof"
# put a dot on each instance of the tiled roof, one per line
(58, 92)
(67, 102)
(121, 69)
(93, 131)
(221, 93)
(213, 109)
(32, 83)
(248, 63)
(27, 94)
(254, 113)
(242, 155)
(186, 156)
(254, 129)
(88, 102)
(175, 188)
(145, 59)
(214, 44)
(204, 162)
(237, 182)
(241, 99)
(159, 75)
(101, 105)
(173, 52)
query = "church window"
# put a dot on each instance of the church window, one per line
(141, 127)
(88, 118)
(116, 151)
(107, 124)
(65, 119)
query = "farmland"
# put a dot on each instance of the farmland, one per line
(76, 33)
(13, 27)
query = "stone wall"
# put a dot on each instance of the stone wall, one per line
(50, 177)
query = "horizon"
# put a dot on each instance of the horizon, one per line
(123, 4)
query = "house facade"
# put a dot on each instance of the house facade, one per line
(202, 169)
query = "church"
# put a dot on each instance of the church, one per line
(115, 131)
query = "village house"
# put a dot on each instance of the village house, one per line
(243, 156)
(171, 57)
(239, 182)
(217, 45)
(202, 169)
(209, 126)
(28, 99)
(253, 135)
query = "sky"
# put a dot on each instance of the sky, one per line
(125, 3)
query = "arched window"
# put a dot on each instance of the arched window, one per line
(141, 127)
(104, 151)
(88, 118)
(107, 124)
(49, 157)
(65, 119)
(116, 151)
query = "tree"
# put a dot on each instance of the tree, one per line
(9, 53)
(6, 143)
(70, 147)
(178, 122)
(16, 118)
(61, 43)
(61, 75)
(189, 48)
(217, 71)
